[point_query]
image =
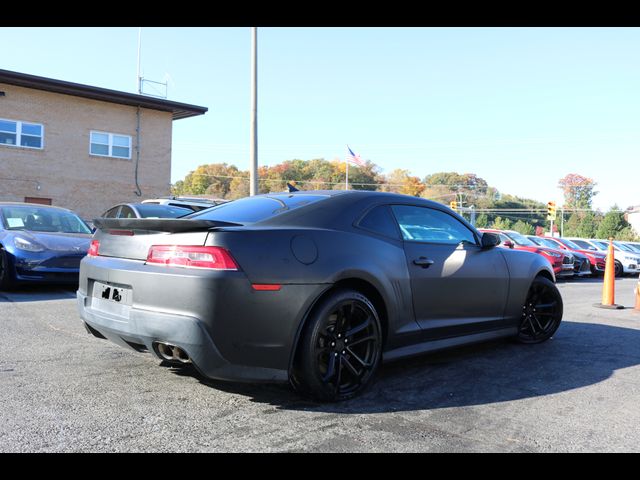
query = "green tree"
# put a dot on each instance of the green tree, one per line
(523, 228)
(482, 221)
(501, 223)
(612, 224)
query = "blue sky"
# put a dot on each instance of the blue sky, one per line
(520, 107)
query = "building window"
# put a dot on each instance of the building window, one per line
(110, 145)
(21, 134)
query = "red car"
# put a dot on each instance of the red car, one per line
(596, 259)
(561, 262)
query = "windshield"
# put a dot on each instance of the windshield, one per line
(545, 242)
(150, 210)
(584, 245)
(39, 219)
(624, 247)
(570, 244)
(256, 209)
(634, 247)
(600, 245)
(521, 239)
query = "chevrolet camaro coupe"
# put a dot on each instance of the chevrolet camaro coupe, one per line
(40, 244)
(314, 288)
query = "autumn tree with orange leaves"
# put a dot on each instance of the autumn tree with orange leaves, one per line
(578, 191)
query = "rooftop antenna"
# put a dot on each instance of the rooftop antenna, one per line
(156, 87)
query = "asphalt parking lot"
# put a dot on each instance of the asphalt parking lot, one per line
(62, 390)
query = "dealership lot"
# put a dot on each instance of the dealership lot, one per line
(64, 390)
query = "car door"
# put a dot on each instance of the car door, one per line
(457, 286)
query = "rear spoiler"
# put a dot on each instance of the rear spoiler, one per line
(172, 225)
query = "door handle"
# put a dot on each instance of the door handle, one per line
(423, 262)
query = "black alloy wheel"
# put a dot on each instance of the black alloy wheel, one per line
(541, 312)
(340, 349)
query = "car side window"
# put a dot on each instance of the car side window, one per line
(380, 220)
(112, 213)
(423, 224)
(126, 212)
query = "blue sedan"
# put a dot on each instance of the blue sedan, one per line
(40, 244)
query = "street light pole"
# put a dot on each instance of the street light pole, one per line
(253, 149)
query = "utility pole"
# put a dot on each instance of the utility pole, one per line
(253, 149)
(562, 221)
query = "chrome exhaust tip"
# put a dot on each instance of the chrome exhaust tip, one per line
(172, 352)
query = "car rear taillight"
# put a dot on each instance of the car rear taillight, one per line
(215, 258)
(94, 248)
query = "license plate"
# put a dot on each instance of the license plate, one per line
(113, 299)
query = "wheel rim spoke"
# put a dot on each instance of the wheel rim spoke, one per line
(360, 361)
(545, 305)
(331, 369)
(351, 368)
(362, 340)
(359, 328)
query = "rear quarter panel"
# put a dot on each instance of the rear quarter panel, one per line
(286, 256)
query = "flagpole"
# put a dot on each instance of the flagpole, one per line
(346, 183)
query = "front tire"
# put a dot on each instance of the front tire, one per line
(6, 275)
(340, 348)
(619, 270)
(541, 312)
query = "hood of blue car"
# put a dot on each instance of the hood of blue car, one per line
(59, 242)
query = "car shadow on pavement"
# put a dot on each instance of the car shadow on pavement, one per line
(34, 293)
(580, 354)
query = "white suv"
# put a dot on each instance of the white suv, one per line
(625, 262)
(195, 204)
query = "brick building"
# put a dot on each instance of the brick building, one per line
(82, 147)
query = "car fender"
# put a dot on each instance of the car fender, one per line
(523, 268)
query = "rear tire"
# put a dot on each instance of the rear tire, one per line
(7, 282)
(340, 348)
(541, 312)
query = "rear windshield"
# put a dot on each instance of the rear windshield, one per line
(150, 210)
(256, 209)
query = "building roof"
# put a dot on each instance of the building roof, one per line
(178, 110)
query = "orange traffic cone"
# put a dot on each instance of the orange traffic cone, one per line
(609, 287)
(637, 307)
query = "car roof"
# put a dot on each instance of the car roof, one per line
(39, 205)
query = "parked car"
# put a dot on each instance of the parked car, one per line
(39, 244)
(581, 262)
(314, 287)
(596, 259)
(624, 262)
(562, 263)
(145, 210)
(194, 204)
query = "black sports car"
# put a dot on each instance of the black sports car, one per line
(315, 288)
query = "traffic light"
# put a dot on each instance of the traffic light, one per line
(453, 205)
(551, 210)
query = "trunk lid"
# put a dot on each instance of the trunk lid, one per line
(131, 238)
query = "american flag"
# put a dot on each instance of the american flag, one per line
(354, 158)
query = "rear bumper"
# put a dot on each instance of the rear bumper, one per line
(146, 328)
(229, 330)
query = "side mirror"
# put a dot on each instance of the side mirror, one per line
(490, 240)
(508, 243)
